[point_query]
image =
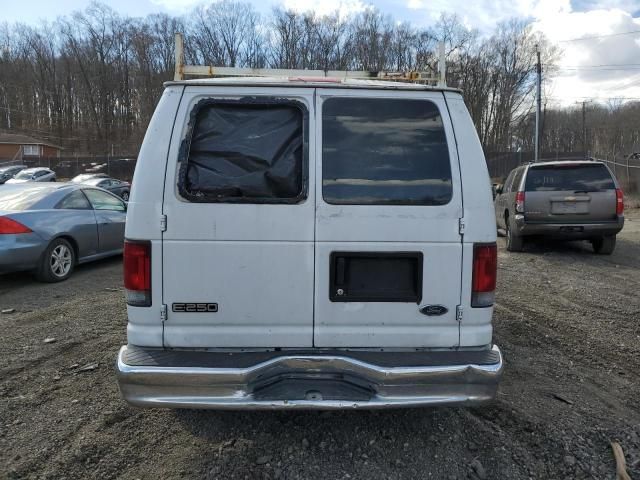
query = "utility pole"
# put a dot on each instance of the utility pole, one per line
(584, 128)
(538, 105)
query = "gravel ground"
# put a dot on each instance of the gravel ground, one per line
(567, 321)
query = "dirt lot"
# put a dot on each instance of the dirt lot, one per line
(567, 321)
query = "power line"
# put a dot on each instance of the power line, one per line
(591, 97)
(587, 69)
(603, 65)
(599, 36)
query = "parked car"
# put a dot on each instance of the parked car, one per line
(83, 177)
(305, 244)
(7, 173)
(36, 174)
(113, 185)
(569, 200)
(50, 228)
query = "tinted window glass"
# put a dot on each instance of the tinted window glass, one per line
(245, 152)
(104, 201)
(570, 177)
(384, 151)
(75, 201)
(517, 179)
(508, 182)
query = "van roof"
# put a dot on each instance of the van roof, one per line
(316, 82)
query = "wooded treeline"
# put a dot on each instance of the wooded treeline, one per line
(90, 81)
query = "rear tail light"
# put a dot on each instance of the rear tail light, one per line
(619, 202)
(485, 264)
(520, 202)
(9, 226)
(137, 273)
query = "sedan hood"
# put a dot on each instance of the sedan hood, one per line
(16, 180)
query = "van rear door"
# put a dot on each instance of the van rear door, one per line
(388, 205)
(570, 193)
(239, 203)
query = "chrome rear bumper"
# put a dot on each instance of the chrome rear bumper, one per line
(307, 380)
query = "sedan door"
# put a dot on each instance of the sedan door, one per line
(110, 215)
(77, 218)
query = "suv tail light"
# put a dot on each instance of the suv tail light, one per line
(9, 226)
(137, 272)
(485, 264)
(520, 202)
(619, 202)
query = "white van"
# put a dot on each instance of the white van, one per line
(309, 243)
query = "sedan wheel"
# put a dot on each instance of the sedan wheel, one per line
(60, 261)
(57, 262)
(125, 196)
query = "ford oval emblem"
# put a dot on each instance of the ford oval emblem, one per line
(434, 310)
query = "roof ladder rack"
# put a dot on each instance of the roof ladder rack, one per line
(182, 71)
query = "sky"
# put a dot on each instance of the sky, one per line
(599, 39)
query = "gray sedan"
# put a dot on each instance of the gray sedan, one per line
(49, 228)
(113, 185)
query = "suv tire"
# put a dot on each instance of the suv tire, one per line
(515, 243)
(604, 245)
(57, 262)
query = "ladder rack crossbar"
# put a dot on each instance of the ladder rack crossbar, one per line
(182, 70)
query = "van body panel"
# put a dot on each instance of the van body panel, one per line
(430, 230)
(476, 328)
(144, 212)
(254, 260)
(263, 291)
(354, 297)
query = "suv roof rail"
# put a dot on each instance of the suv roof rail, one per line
(182, 70)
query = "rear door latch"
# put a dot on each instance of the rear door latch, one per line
(459, 312)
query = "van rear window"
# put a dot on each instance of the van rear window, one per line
(245, 151)
(379, 151)
(580, 177)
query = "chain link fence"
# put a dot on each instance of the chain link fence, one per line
(66, 168)
(626, 170)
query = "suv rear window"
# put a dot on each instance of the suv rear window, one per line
(581, 177)
(384, 152)
(245, 151)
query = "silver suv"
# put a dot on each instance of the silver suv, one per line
(563, 200)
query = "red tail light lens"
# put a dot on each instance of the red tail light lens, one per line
(137, 273)
(619, 202)
(9, 226)
(520, 202)
(485, 265)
